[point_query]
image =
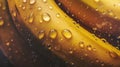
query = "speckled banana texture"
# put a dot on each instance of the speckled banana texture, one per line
(62, 35)
(20, 52)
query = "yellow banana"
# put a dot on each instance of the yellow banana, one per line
(22, 53)
(107, 7)
(103, 24)
(62, 35)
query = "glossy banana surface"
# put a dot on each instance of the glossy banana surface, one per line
(98, 16)
(62, 35)
(22, 53)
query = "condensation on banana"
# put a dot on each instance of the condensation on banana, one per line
(62, 35)
(90, 17)
(19, 52)
(108, 7)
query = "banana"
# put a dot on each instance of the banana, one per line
(108, 15)
(22, 53)
(62, 35)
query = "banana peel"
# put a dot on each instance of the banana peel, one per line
(20, 52)
(104, 25)
(62, 35)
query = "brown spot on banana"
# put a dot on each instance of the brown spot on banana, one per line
(63, 36)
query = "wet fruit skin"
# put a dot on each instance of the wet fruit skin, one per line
(62, 36)
(103, 22)
(17, 50)
(96, 17)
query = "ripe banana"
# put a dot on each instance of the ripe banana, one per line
(22, 53)
(106, 17)
(62, 35)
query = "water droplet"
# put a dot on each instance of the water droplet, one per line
(44, 1)
(41, 35)
(14, 14)
(1, 22)
(32, 2)
(24, 1)
(113, 54)
(89, 47)
(96, 0)
(86, 55)
(94, 49)
(67, 33)
(57, 15)
(39, 8)
(110, 27)
(4, 8)
(46, 17)
(102, 64)
(71, 52)
(8, 44)
(118, 37)
(50, 7)
(31, 18)
(53, 34)
(81, 44)
(23, 7)
(104, 40)
(59, 4)
(94, 29)
(40, 20)
(97, 61)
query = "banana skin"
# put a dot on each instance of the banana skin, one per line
(62, 35)
(106, 17)
(13, 46)
(19, 52)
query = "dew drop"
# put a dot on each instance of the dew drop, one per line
(31, 18)
(96, 0)
(39, 8)
(46, 17)
(97, 61)
(1, 22)
(86, 55)
(14, 14)
(24, 1)
(102, 64)
(104, 40)
(41, 35)
(23, 7)
(40, 20)
(53, 34)
(81, 44)
(32, 2)
(57, 15)
(50, 7)
(71, 52)
(118, 37)
(4, 8)
(8, 44)
(89, 47)
(59, 4)
(67, 33)
(94, 29)
(44, 1)
(113, 54)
